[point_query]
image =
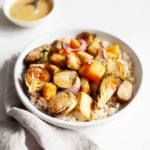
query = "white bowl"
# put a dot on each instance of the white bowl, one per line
(49, 38)
(6, 8)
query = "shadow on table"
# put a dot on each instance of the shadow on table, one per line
(3, 70)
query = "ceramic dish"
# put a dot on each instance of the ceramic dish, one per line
(49, 38)
(6, 9)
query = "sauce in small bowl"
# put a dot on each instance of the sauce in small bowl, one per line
(21, 13)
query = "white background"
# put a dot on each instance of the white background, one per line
(128, 20)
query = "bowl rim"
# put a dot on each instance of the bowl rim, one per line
(72, 124)
(17, 21)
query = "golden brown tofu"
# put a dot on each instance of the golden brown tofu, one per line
(93, 47)
(58, 60)
(73, 61)
(53, 69)
(83, 108)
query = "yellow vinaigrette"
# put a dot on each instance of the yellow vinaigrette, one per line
(21, 11)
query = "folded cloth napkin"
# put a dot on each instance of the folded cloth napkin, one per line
(22, 130)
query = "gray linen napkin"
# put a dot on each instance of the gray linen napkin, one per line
(22, 130)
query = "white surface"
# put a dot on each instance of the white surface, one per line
(128, 20)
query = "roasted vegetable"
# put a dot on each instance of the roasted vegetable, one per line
(85, 86)
(83, 109)
(53, 69)
(56, 46)
(65, 79)
(73, 61)
(125, 91)
(58, 60)
(108, 87)
(84, 57)
(93, 71)
(113, 50)
(35, 78)
(38, 55)
(94, 46)
(113, 66)
(49, 90)
(62, 103)
(88, 37)
(74, 43)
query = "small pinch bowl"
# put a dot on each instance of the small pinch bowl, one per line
(57, 34)
(6, 8)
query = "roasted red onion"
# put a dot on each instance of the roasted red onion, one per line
(75, 88)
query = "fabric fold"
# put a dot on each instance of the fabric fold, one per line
(26, 131)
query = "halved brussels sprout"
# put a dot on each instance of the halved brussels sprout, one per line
(65, 79)
(108, 87)
(38, 55)
(62, 103)
(113, 66)
(35, 78)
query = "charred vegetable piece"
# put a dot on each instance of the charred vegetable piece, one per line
(88, 37)
(94, 47)
(38, 55)
(35, 78)
(94, 89)
(113, 66)
(85, 86)
(83, 108)
(65, 79)
(56, 46)
(62, 103)
(93, 71)
(108, 87)
(73, 61)
(125, 91)
(58, 60)
(49, 90)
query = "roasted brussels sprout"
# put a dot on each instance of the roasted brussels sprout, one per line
(65, 79)
(35, 78)
(107, 89)
(62, 103)
(38, 55)
(113, 66)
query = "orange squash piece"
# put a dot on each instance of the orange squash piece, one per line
(93, 71)
(74, 43)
